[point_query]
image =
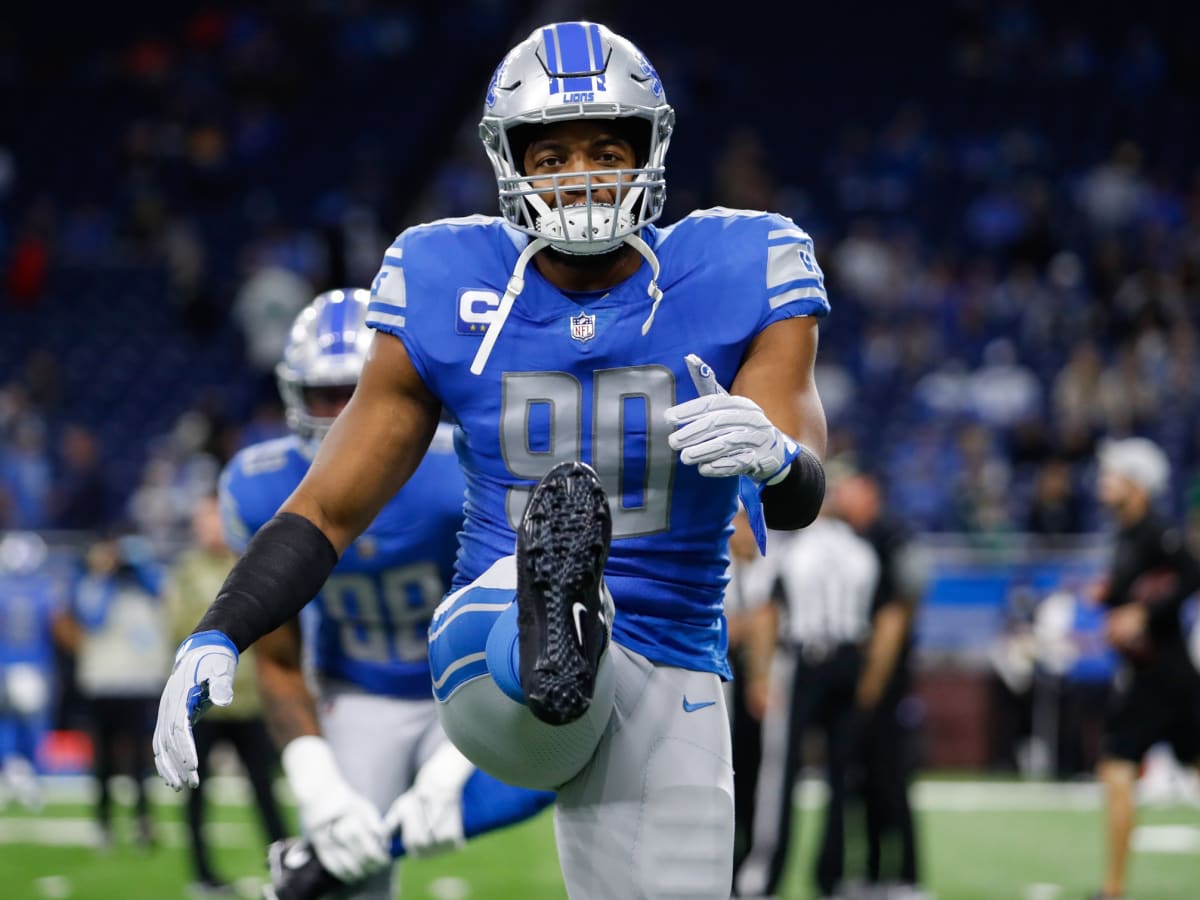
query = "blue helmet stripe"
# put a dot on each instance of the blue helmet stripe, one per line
(335, 325)
(597, 47)
(568, 53)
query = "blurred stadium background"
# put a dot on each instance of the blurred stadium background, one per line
(1005, 197)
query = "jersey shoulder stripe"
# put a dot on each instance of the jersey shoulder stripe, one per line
(389, 295)
(254, 484)
(757, 250)
(421, 255)
(792, 269)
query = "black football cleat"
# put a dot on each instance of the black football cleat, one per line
(562, 546)
(296, 873)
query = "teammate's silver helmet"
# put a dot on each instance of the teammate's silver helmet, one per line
(326, 348)
(577, 70)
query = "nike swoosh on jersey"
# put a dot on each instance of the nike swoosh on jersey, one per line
(692, 707)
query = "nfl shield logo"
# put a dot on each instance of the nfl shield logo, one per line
(583, 327)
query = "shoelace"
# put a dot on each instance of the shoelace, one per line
(516, 284)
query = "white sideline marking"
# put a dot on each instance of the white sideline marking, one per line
(949, 796)
(53, 887)
(222, 790)
(1166, 839)
(449, 888)
(999, 796)
(1042, 891)
(51, 831)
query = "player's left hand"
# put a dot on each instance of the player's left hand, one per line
(429, 814)
(723, 434)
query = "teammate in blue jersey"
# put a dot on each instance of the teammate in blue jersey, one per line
(349, 757)
(582, 351)
(30, 603)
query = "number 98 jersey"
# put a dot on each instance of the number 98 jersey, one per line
(573, 376)
(369, 624)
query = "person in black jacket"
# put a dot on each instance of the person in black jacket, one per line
(1156, 694)
(886, 743)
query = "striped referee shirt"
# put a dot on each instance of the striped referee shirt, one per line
(827, 578)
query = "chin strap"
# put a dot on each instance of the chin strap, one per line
(516, 284)
(652, 289)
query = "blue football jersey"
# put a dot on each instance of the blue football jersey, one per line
(28, 604)
(573, 377)
(369, 624)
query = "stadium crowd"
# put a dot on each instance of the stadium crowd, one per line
(1014, 280)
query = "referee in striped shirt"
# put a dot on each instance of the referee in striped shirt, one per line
(826, 579)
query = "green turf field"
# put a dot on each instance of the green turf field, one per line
(991, 841)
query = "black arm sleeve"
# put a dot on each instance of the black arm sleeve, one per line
(284, 566)
(794, 502)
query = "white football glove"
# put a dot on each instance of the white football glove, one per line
(722, 434)
(23, 689)
(201, 677)
(345, 829)
(429, 814)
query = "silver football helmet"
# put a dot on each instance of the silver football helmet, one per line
(577, 70)
(326, 349)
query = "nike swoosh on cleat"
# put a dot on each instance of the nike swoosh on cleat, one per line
(692, 707)
(579, 611)
(297, 855)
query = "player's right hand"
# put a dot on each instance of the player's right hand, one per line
(345, 829)
(429, 814)
(202, 677)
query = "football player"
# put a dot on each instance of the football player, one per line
(361, 742)
(583, 352)
(30, 604)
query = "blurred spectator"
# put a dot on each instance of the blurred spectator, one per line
(945, 391)
(865, 266)
(117, 633)
(191, 584)
(188, 278)
(1077, 397)
(26, 474)
(1113, 193)
(1056, 507)
(183, 467)
(1002, 390)
(29, 260)
(836, 386)
(265, 307)
(982, 483)
(886, 744)
(80, 499)
(1128, 397)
